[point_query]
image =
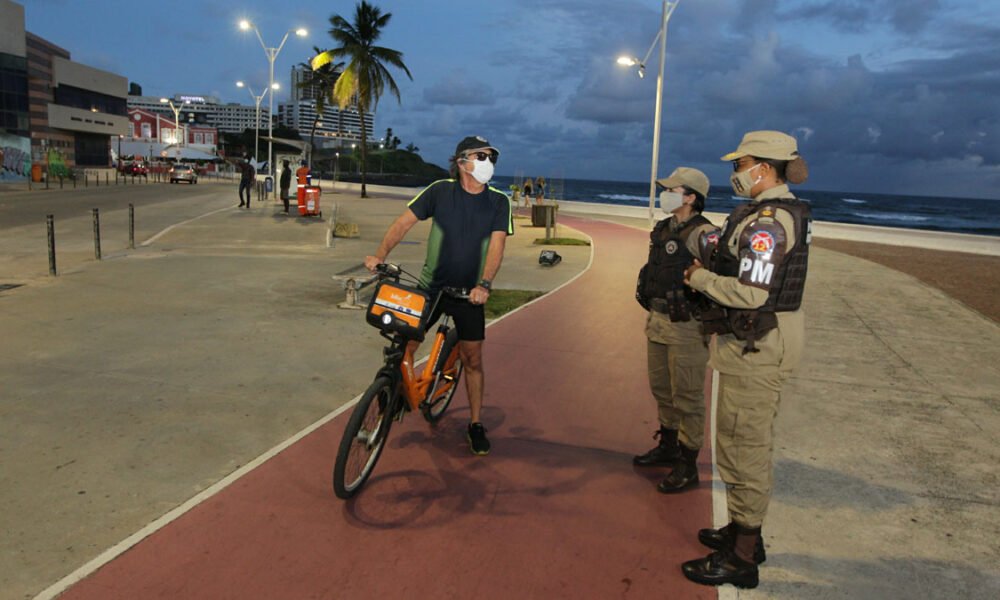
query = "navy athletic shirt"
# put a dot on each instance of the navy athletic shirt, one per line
(460, 233)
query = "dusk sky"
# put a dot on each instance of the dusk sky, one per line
(884, 96)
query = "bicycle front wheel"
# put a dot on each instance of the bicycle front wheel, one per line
(364, 438)
(441, 392)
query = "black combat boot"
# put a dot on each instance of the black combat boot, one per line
(664, 454)
(684, 475)
(733, 565)
(718, 539)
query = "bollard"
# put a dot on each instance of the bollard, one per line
(97, 235)
(97, 179)
(86, 180)
(131, 226)
(51, 226)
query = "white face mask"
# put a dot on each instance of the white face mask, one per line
(482, 170)
(670, 201)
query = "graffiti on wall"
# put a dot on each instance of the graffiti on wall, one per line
(15, 157)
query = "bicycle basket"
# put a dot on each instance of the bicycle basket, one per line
(397, 308)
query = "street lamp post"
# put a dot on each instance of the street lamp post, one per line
(668, 9)
(177, 116)
(272, 54)
(256, 124)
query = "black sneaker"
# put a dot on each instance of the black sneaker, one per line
(477, 439)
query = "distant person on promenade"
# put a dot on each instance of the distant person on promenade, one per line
(676, 352)
(465, 250)
(527, 191)
(539, 189)
(755, 278)
(285, 182)
(247, 176)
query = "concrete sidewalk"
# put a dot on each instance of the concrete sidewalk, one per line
(132, 384)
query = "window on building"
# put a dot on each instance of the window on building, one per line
(199, 138)
(147, 130)
(209, 138)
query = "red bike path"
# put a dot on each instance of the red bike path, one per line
(555, 511)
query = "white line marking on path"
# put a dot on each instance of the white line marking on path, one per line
(191, 220)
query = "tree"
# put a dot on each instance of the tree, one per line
(366, 76)
(323, 79)
(412, 148)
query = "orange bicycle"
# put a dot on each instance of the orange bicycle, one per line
(400, 311)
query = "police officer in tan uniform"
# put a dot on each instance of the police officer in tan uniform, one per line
(676, 352)
(755, 277)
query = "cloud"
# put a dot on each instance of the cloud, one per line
(855, 16)
(457, 88)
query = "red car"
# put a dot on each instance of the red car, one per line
(136, 168)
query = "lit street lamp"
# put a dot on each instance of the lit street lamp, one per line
(256, 123)
(627, 61)
(177, 120)
(272, 54)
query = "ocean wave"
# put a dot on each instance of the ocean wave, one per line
(854, 201)
(623, 197)
(881, 216)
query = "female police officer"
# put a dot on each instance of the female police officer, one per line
(755, 278)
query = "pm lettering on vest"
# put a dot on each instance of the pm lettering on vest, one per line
(761, 250)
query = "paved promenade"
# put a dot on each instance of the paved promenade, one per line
(133, 385)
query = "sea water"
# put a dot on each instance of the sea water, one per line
(959, 215)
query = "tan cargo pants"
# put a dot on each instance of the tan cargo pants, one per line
(747, 408)
(677, 380)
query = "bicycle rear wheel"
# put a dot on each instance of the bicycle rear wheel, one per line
(364, 438)
(440, 393)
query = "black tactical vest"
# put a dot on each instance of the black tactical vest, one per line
(662, 279)
(787, 284)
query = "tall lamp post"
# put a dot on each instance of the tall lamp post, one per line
(272, 54)
(256, 124)
(629, 61)
(177, 119)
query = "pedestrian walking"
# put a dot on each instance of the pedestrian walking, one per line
(755, 278)
(247, 176)
(539, 189)
(676, 351)
(285, 182)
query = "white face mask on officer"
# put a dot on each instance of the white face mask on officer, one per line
(670, 201)
(482, 170)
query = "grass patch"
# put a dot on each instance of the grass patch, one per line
(561, 241)
(504, 301)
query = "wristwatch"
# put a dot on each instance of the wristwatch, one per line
(486, 284)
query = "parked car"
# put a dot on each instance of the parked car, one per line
(135, 168)
(183, 172)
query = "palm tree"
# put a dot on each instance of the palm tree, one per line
(323, 79)
(366, 77)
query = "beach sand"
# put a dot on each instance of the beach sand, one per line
(972, 279)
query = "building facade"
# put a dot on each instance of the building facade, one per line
(334, 127)
(73, 110)
(206, 110)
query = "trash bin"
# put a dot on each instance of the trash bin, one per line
(36, 172)
(269, 184)
(309, 202)
(541, 212)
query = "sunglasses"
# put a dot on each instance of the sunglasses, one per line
(742, 162)
(481, 156)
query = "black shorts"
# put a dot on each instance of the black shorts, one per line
(470, 319)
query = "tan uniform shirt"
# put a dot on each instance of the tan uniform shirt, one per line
(781, 348)
(659, 327)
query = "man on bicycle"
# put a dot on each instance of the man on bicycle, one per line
(465, 249)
